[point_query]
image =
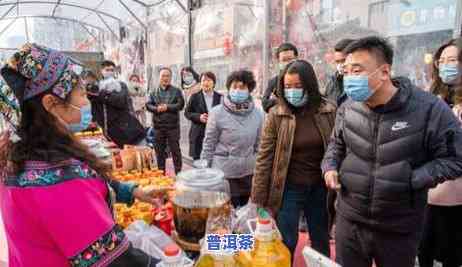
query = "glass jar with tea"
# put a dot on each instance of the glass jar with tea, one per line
(197, 191)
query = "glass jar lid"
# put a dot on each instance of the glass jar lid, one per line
(201, 178)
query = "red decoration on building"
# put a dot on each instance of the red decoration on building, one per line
(227, 44)
(294, 5)
(276, 39)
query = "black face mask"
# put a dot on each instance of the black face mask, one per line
(92, 88)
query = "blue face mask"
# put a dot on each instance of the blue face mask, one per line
(188, 79)
(238, 96)
(449, 73)
(357, 87)
(85, 119)
(295, 96)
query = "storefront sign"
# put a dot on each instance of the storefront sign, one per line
(209, 53)
(420, 16)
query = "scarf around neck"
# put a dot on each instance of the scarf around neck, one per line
(239, 109)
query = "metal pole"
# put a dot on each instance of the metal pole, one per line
(458, 22)
(89, 32)
(158, 3)
(26, 27)
(147, 52)
(285, 18)
(63, 4)
(234, 51)
(266, 44)
(182, 6)
(332, 12)
(55, 8)
(140, 2)
(133, 14)
(8, 26)
(108, 27)
(189, 59)
(58, 19)
(7, 12)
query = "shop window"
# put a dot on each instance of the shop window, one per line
(377, 12)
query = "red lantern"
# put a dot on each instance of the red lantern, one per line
(276, 39)
(294, 5)
(227, 45)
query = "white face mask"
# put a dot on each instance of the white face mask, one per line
(108, 74)
(238, 96)
(188, 79)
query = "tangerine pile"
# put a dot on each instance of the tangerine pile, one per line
(140, 211)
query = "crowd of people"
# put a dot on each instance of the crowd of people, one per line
(376, 156)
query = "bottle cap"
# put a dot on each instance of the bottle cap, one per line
(264, 221)
(264, 228)
(171, 250)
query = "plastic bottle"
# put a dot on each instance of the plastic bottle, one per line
(172, 257)
(269, 251)
(216, 259)
(220, 258)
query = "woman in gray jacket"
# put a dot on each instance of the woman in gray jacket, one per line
(232, 135)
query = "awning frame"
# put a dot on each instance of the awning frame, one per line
(103, 16)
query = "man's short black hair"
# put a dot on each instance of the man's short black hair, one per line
(342, 44)
(87, 74)
(374, 45)
(244, 76)
(166, 68)
(286, 47)
(108, 63)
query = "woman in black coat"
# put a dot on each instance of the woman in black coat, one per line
(197, 110)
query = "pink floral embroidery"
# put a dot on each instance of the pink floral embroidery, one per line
(111, 243)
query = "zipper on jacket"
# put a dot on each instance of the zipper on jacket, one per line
(374, 170)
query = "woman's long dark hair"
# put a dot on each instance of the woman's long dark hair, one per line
(192, 71)
(438, 87)
(44, 139)
(309, 82)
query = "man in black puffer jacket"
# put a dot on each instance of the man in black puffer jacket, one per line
(165, 103)
(391, 143)
(111, 107)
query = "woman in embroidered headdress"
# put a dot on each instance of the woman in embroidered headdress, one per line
(56, 195)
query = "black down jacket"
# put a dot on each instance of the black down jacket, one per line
(173, 98)
(112, 111)
(390, 156)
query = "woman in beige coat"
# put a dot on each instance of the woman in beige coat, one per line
(287, 178)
